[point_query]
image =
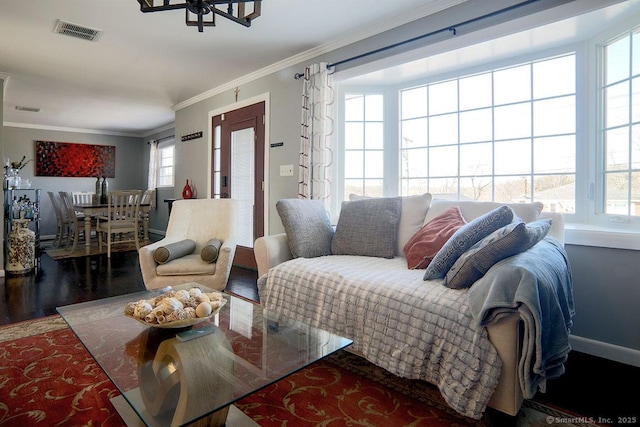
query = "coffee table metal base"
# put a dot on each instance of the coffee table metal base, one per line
(235, 417)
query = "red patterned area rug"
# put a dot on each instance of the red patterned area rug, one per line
(47, 378)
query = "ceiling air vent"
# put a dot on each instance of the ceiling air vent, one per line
(29, 109)
(77, 31)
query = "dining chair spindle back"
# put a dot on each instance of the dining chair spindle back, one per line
(121, 224)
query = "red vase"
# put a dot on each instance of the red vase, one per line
(187, 193)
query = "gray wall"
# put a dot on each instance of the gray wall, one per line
(129, 173)
(607, 298)
(284, 93)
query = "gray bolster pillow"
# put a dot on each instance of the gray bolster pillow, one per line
(166, 253)
(210, 251)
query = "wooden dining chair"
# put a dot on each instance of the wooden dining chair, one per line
(75, 220)
(148, 198)
(62, 219)
(122, 219)
(82, 197)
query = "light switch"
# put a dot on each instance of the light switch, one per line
(286, 170)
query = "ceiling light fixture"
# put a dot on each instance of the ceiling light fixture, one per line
(202, 13)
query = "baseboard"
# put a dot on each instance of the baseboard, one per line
(617, 353)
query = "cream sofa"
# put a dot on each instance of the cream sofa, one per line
(505, 333)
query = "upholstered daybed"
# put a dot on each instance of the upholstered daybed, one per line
(491, 343)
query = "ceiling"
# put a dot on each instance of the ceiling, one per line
(142, 65)
(565, 25)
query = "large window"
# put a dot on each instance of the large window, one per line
(506, 135)
(619, 135)
(558, 125)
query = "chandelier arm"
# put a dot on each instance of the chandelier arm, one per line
(242, 21)
(148, 6)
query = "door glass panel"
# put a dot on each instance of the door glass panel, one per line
(242, 182)
(216, 161)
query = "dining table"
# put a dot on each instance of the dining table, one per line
(96, 208)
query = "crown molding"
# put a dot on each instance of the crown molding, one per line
(432, 7)
(74, 130)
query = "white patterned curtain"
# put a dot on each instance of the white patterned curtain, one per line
(316, 142)
(152, 180)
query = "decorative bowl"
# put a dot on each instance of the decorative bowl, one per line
(185, 323)
(176, 309)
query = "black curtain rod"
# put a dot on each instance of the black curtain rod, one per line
(157, 141)
(451, 28)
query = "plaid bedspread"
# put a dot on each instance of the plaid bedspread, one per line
(412, 328)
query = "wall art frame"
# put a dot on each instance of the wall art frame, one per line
(67, 159)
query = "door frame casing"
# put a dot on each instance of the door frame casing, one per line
(264, 97)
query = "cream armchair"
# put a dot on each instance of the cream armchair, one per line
(199, 220)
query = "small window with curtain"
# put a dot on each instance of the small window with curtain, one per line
(166, 163)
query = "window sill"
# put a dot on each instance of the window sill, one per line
(586, 235)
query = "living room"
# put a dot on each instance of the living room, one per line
(604, 261)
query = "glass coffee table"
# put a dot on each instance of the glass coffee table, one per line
(194, 374)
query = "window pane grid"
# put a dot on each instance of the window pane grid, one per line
(364, 144)
(165, 166)
(619, 139)
(497, 147)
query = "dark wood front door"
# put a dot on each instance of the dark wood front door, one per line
(238, 172)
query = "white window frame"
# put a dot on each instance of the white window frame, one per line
(163, 146)
(599, 217)
(588, 226)
(392, 184)
(493, 175)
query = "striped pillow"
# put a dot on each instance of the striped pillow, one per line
(508, 241)
(467, 236)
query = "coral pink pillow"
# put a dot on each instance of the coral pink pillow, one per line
(427, 241)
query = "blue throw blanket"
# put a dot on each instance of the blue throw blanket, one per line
(537, 284)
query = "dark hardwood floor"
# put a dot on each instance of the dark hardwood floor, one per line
(73, 280)
(591, 386)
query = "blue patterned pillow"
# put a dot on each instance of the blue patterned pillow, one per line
(507, 241)
(465, 237)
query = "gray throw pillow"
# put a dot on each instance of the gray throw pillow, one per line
(507, 241)
(465, 237)
(309, 230)
(368, 227)
(412, 214)
(166, 253)
(210, 251)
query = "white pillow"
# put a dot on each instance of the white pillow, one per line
(471, 210)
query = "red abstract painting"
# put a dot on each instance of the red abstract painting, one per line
(78, 160)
